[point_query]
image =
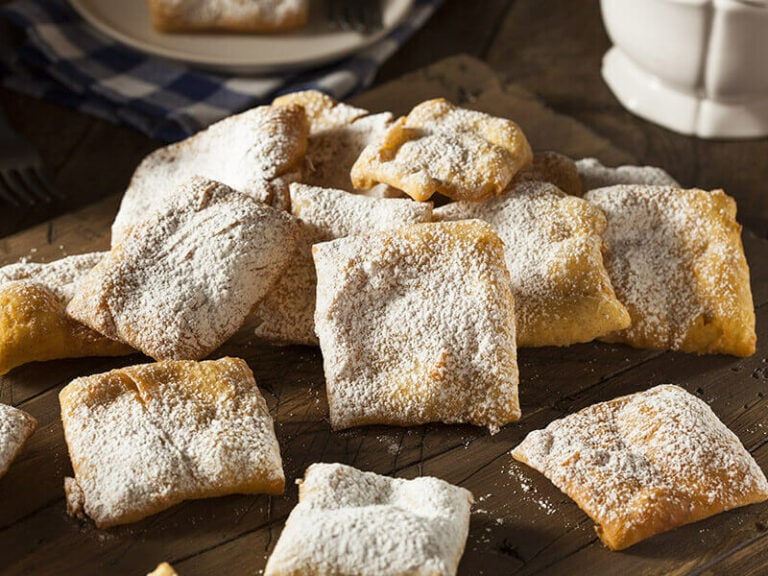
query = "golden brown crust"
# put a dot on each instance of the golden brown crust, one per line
(645, 463)
(441, 148)
(552, 167)
(677, 263)
(197, 430)
(234, 15)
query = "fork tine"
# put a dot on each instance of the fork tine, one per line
(26, 189)
(374, 18)
(6, 193)
(46, 183)
(33, 182)
(16, 187)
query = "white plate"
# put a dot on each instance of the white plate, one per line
(128, 21)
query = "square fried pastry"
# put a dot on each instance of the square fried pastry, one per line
(146, 437)
(553, 249)
(16, 426)
(354, 523)
(595, 175)
(163, 569)
(235, 15)
(645, 463)
(258, 152)
(338, 133)
(439, 147)
(552, 167)
(183, 281)
(676, 262)
(286, 314)
(33, 323)
(417, 325)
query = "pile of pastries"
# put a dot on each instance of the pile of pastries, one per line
(419, 253)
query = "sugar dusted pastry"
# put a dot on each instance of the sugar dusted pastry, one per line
(594, 175)
(354, 523)
(183, 281)
(163, 569)
(286, 314)
(16, 426)
(258, 152)
(33, 323)
(676, 262)
(417, 325)
(236, 15)
(462, 154)
(146, 437)
(645, 463)
(555, 168)
(553, 251)
(338, 133)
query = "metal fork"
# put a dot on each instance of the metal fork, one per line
(364, 16)
(24, 180)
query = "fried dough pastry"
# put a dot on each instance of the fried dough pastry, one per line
(438, 147)
(354, 523)
(286, 314)
(676, 262)
(33, 323)
(417, 325)
(235, 15)
(553, 251)
(258, 152)
(594, 175)
(163, 569)
(183, 281)
(338, 133)
(146, 437)
(552, 167)
(645, 463)
(16, 426)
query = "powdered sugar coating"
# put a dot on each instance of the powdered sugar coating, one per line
(594, 175)
(258, 152)
(16, 426)
(462, 154)
(553, 251)
(355, 523)
(286, 314)
(676, 262)
(61, 276)
(243, 15)
(645, 463)
(417, 325)
(146, 437)
(183, 281)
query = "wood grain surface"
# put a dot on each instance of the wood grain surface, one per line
(521, 524)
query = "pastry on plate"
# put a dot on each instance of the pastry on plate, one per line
(645, 463)
(183, 281)
(354, 523)
(286, 314)
(146, 437)
(553, 249)
(552, 167)
(594, 175)
(234, 15)
(258, 152)
(417, 325)
(676, 262)
(33, 323)
(439, 147)
(16, 426)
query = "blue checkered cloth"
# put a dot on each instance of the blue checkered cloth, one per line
(64, 60)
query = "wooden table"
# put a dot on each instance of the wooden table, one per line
(520, 524)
